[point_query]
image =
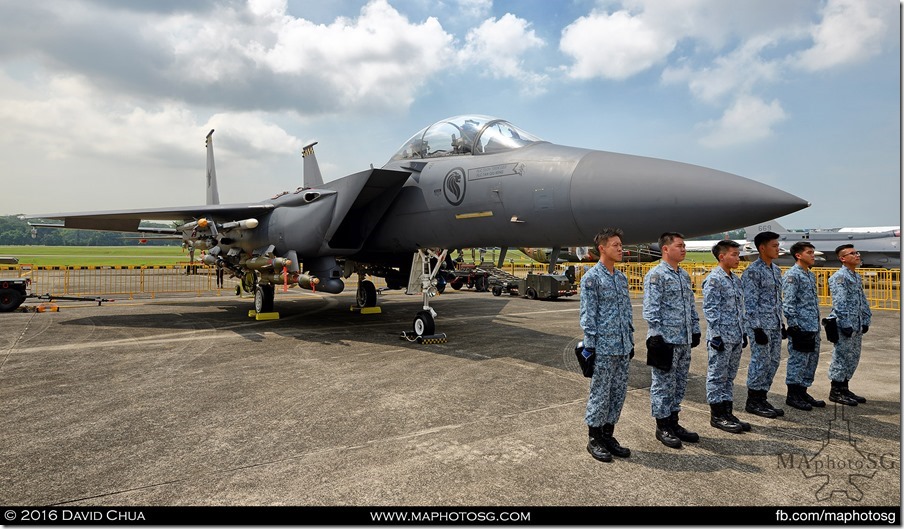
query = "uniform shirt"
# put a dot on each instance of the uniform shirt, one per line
(849, 303)
(763, 295)
(799, 299)
(606, 314)
(723, 306)
(668, 304)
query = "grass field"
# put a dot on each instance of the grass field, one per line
(168, 255)
(96, 255)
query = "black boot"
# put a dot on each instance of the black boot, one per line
(816, 403)
(685, 435)
(611, 443)
(729, 412)
(664, 433)
(719, 418)
(596, 447)
(796, 398)
(836, 394)
(778, 411)
(756, 404)
(851, 394)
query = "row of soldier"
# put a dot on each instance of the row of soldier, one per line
(751, 309)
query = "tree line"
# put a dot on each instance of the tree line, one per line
(17, 232)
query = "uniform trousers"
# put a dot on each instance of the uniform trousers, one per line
(668, 387)
(608, 387)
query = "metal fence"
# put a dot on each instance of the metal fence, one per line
(882, 286)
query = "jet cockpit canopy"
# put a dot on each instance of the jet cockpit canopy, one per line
(472, 134)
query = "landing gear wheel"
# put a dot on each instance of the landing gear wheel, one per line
(497, 290)
(10, 299)
(531, 293)
(367, 294)
(263, 298)
(424, 324)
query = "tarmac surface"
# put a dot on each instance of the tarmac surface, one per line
(188, 401)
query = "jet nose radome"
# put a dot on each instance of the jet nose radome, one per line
(611, 189)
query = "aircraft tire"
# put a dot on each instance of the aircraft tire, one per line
(424, 324)
(10, 299)
(263, 298)
(367, 294)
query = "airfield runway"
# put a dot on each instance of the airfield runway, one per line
(188, 401)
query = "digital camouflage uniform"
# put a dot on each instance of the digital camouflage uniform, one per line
(762, 286)
(607, 320)
(851, 310)
(668, 308)
(723, 308)
(801, 307)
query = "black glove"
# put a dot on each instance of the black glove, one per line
(794, 332)
(659, 353)
(784, 332)
(631, 354)
(744, 341)
(864, 328)
(804, 342)
(831, 325)
(760, 337)
(717, 343)
(586, 358)
(695, 340)
(847, 331)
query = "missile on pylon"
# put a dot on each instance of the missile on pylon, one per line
(247, 224)
(308, 282)
(266, 263)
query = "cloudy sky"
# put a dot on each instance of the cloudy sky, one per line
(104, 104)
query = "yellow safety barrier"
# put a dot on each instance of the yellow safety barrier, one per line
(882, 286)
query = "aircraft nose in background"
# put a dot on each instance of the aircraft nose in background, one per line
(611, 189)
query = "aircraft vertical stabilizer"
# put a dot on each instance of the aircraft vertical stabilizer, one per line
(771, 225)
(213, 195)
(312, 177)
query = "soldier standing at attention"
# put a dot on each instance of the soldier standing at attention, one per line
(801, 306)
(762, 282)
(723, 307)
(668, 308)
(852, 313)
(607, 320)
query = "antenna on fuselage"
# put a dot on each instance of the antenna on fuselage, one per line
(312, 176)
(213, 195)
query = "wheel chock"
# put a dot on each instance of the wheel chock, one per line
(426, 339)
(259, 316)
(366, 310)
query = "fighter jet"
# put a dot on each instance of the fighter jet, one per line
(878, 249)
(463, 182)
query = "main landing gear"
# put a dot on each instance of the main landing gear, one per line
(424, 267)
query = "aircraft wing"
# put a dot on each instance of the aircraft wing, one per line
(129, 219)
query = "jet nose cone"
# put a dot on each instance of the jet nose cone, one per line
(650, 196)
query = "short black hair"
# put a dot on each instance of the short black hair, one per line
(723, 246)
(607, 233)
(669, 236)
(842, 247)
(799, 247)
(764, 237)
